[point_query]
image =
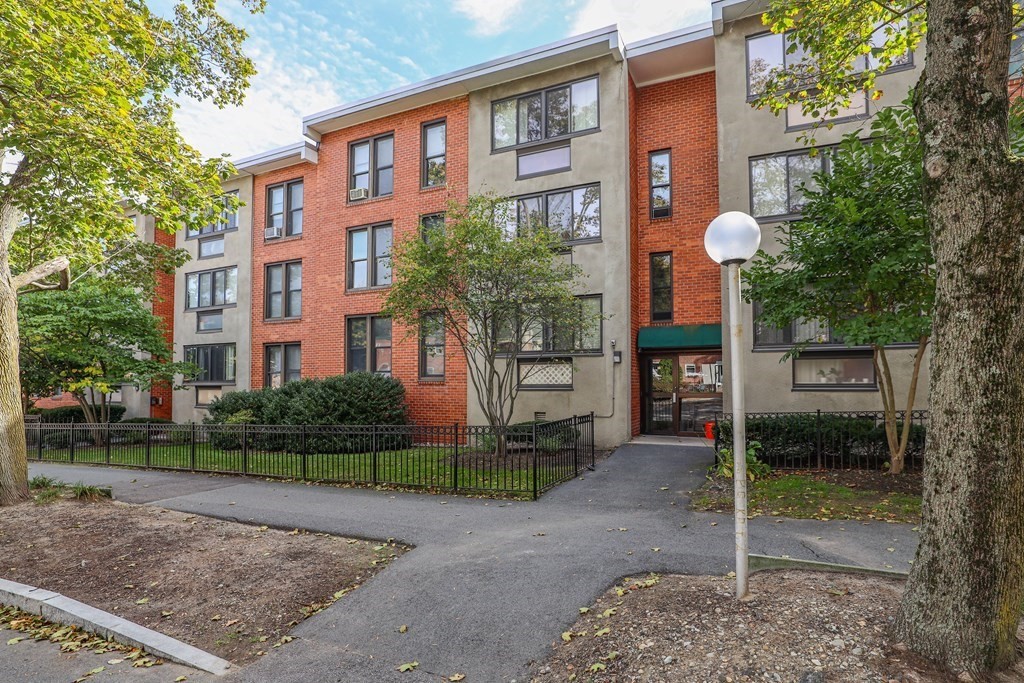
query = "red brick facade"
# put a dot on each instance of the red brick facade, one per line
(323, 245)
(161, 394)
(678, 115)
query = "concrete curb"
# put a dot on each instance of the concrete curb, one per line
(759, 563)
(60, 609)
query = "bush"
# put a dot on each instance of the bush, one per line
(791, 440)
(344, 400)
(756, 468)
(77, 415)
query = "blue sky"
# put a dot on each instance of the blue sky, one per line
(315, 54)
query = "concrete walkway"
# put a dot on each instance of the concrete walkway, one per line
(491, 584)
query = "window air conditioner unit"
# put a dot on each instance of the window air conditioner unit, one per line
(358, 193)
(271, 233)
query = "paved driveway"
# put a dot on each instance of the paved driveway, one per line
(492, 583)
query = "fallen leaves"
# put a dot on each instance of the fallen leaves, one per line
(407, 667)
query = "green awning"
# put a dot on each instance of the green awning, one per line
(679, 337)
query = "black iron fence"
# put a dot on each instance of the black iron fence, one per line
(826, 440)
(521, 460)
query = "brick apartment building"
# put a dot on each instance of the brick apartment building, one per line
(642, 145)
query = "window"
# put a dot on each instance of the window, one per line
(216, 362)
(546, 161)
(284, 209)
(661, 183)
(555, 373)
(210, 321)
(834, 371)
(372, 166)
(116, 395)
(211, 247)
(775, 182)
(544, 337)
(368, 344)
(797, 332)
(574, 213)
(432, 346)
(206, 395)
(552, 113)
(283, 363)
(227, 220)
(661, 288)
(434, 146)
(369, 257)
(431, 224)
(796, 119)
(211, 288)
(768, 53)
(284, 290)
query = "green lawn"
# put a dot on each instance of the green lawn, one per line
(808, 497)
(423, 466)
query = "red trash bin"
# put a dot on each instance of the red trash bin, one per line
(709, 429)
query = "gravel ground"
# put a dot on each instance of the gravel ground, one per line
(800, 627)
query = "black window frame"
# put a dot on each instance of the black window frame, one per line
(286, 370)
(846, 353)
(372, 260)
(550, 336)
(652, 186)
(751, 96)
(227, 221)
(822, 153)
(286, 290)
(437, 215)
(201, 314)
(372, 169)
(195, 353)
(424, 346)
(210, 240)
(288, 211)
(200, 387)
(371, 347)
(213, 278)
(425, 160)
(520, 223)
(543, 92)
(665, 319)
(541, 149)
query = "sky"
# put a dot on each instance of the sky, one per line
(315, 54)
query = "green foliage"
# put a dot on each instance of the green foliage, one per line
(93, 339)
(859, 259)
(41, 481)
(494, 287)
(86, 492)
(148, 420)
(76, 414)
(756, 469)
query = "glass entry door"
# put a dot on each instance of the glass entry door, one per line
(682, 391)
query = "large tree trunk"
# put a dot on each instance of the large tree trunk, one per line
(13, 462)
(963, 599)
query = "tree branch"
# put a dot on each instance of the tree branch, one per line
(31, 277)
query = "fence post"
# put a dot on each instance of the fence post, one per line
(149, 442)
(71, 441)
(302, 451)
(245, 448)
(577, 435)
(534, 445)
(591, 429)
(39, 440)
(455, 460)
(817, 437)
(192, 450)
(106, 428)
(373, 452)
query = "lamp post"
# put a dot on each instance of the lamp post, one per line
(731, 240)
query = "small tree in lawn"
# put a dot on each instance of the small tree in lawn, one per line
(93, 339)
(859, 259)
(494, 287)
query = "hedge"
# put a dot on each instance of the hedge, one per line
(809, 440)
(76, 414)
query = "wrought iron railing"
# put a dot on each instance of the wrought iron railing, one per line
(827, 440)
(521, 460)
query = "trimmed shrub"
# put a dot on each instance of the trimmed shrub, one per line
(76, 414)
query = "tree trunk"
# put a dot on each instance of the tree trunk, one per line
(963, 600)
(13, 458)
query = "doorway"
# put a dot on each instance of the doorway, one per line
(681, 391)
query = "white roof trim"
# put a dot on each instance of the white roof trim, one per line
(470, 78)
(279, 157)
(687, 34)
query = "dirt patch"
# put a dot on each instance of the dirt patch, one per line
(910, 483)
(231, 589)
(801, 627)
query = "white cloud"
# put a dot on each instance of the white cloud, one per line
(489, 17)
(639, 19)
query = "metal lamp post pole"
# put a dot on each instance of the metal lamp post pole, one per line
(739, 430)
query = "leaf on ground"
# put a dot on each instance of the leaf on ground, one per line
(142, 601)
(166, 613)
(457, 677)
(567, 636)
(231, 622)
(403, 628)
(14, 641)
(584, 610)
(602, 632)
(179, 679)
(597, 666)
(216, 617)
(408, 666)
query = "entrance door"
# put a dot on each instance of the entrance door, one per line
(682, 391)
